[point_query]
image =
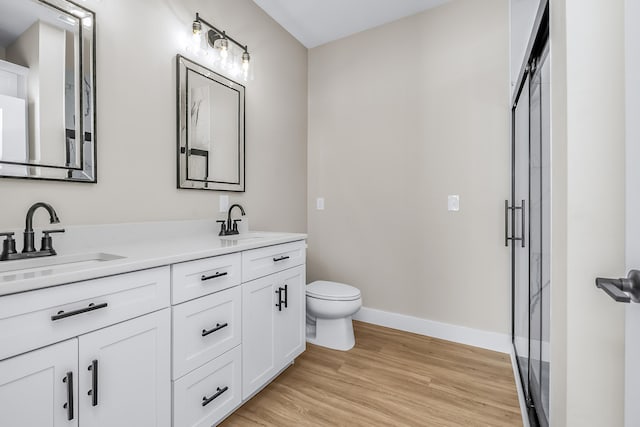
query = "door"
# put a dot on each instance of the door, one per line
(528, 228)
(519, 225)
(289, 325)
(539, 234)
(125, 373)
(258, 314)
(39, 388)
(632, 249)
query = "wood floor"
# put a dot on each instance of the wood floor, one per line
(391, 378)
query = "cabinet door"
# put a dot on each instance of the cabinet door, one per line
(125, 374)
(258, 311)
(40, 388)
(289, 325)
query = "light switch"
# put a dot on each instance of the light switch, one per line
(453, 203)
(320, 203)
(224, 203)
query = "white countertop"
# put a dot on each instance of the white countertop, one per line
(143, 246)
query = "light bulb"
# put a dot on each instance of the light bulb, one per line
(245, 61)
(223, 44)
(196, 28)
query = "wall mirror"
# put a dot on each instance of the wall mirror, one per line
(47, 90)
(210, 129)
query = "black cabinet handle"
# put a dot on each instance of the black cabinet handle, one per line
(206, 400)
(280, 300)
(63, 315)
(279, 304)
(217, 328)
(213, 276)
(282, 258)
(286, 295)
(94, 383)
(69, 405)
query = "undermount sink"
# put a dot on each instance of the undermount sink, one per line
(29, 268)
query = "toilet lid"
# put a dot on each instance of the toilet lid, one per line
(332, 291)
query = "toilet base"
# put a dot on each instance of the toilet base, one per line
(336, 334)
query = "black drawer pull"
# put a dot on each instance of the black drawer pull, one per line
(282, 258)
(206, 400)
(94, 383)
(213, 276)
(68, 379)
(217, 328)
(62, 314)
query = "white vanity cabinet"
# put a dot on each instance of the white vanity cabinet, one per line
(183, 344)
(39, 388)
(112, 366)
(124, 374)
(273, 314)
(207, 335)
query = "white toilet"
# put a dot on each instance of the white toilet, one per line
(330, 306)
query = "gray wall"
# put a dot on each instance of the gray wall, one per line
(137, 44)
(400, 116)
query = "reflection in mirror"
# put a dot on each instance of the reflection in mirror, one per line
(47, 90)
(211, 129)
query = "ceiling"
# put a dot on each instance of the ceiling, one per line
(316, 22)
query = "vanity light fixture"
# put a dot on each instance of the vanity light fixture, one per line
(213, 44)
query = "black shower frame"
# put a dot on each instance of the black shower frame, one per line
(535, 49)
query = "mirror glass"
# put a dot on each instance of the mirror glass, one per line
(47, 90)
(211, 129)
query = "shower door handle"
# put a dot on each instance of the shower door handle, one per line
(522, 210)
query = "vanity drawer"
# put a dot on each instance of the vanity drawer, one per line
(194, 279)
(219, 379)
(271, 259)
(34, 319)
(205, 328)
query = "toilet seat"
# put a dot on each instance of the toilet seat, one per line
(332, 291)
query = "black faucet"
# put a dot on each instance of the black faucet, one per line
(230, 228)
(29, 250)
(28, 229)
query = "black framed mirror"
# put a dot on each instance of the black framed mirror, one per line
(211, 129)
(47, 90)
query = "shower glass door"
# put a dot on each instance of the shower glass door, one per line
(539, 230)
(528, 229)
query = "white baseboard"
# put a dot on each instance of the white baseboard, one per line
(460, 334)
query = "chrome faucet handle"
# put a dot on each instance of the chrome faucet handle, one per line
(8, 246)
(47, 241)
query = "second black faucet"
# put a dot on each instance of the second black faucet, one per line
(231, 227)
